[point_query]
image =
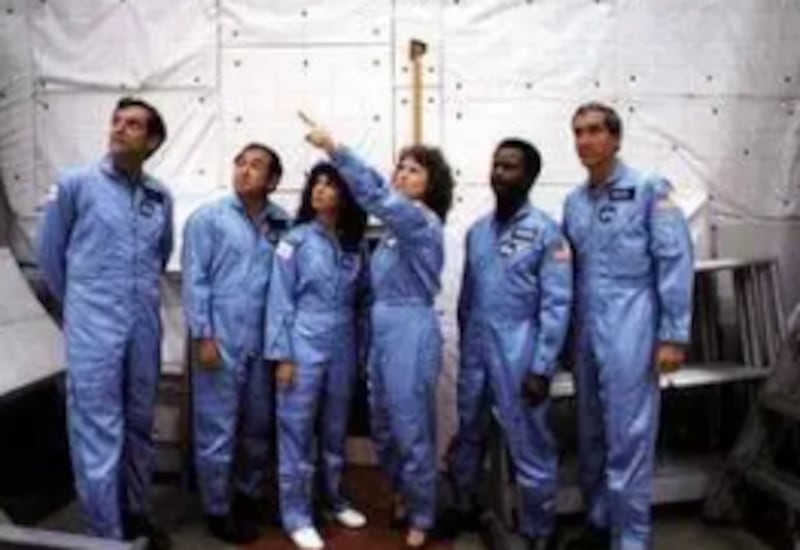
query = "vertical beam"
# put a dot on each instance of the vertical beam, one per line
(741, 317)
(416, 49)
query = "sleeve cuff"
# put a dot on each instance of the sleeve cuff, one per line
(203, 330)
(341, 155)
(280, 348)
(673, 335)
(540, 370)
(278, 356)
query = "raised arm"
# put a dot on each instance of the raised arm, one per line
(403, 216)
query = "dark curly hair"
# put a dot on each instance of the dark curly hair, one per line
(352, 219)
(530, 154)
(439, 193)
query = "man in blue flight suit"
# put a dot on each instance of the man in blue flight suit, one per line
(227, 262)
(106, 238)
(633, 288)
(513, 315)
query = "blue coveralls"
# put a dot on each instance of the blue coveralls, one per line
(513, 314)
(634, 273)
(405, 338)
(227, 262)
(311, 322)
(103, 245)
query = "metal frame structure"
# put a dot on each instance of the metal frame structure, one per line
(759, 324)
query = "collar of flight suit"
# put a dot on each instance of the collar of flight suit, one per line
(317, 226)
(521, 213)
(270, 213)
(616, 176)
(107, 168)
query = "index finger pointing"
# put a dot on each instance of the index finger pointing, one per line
(306, 119)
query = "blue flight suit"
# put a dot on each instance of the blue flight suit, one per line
(405, 337)
(103, 246)
(227, 263)
(513, 315)
(311, 322)
(633, 289)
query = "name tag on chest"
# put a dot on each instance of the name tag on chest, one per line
(524, 234)
(619, 194)
(521, 238)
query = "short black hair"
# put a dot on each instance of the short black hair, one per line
(351, 221)
(155, 124)
(610, 117)
(275, 164)
(439, 193)
(533, 159)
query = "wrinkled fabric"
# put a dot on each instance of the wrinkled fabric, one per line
(227, 262)
(103, 245)
(405, 337)
(514, 310)
(311, 322)
(633, 288)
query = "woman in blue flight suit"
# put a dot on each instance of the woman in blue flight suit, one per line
(317, 279)
(406, 343)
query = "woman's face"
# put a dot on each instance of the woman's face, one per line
(324, 195)
(410, 178)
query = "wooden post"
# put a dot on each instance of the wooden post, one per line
(416, 50)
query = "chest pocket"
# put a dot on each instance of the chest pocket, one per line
(578, 225)
(100, 223)
(231, 241)
(349, 269)
(151, 218)
(521, 267)
(385, 258)
(269, 236)
(628, 241)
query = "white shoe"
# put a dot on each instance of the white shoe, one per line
(307, 538)
(351, 518)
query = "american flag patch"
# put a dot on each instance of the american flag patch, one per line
(562, 253)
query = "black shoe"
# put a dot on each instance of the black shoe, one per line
(247, 508)
(590, 538)
(543, 543)
(398, 518)
(454, 521)
(227, 529)
(138, 525)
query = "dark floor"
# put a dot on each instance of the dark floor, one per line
(675, 528)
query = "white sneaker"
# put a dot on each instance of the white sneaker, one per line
(351, 518)
(307, 538)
